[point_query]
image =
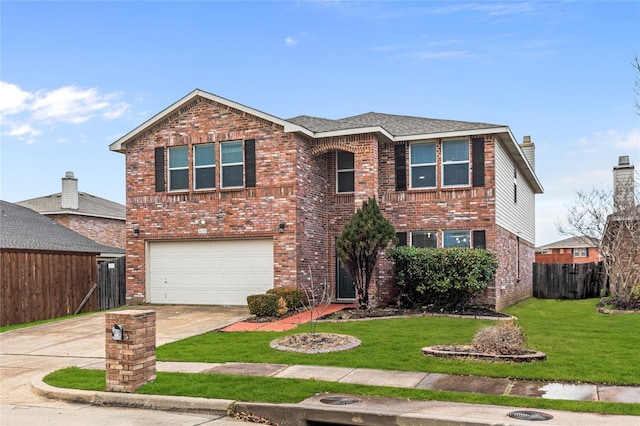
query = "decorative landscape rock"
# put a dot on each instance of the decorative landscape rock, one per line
(469, 351)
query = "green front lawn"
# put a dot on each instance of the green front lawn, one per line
(581, 346)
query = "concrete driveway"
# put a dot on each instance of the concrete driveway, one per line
(81, 342)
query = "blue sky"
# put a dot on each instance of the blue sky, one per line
(75, 76)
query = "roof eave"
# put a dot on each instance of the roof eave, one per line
(521, 160)
(117, 146)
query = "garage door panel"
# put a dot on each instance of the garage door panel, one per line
(209, 272)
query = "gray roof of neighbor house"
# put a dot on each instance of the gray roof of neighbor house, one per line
(23, 228)
(572, 242)
(396, 125)
(88, 205)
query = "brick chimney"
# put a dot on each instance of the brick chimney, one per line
(529, 151)
(69, 192)
(623, 185)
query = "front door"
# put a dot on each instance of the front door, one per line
(345, 289)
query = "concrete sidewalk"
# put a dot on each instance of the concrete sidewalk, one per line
(373, 411)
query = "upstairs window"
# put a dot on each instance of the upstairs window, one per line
(178, 168)
(456, 239)
(427, 239)
(423, 165)
(580, 252)
(455, 163)
(204, 167)
(345, 171)
(232, 165)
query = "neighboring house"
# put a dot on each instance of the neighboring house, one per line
(569, 250)
(224, 200)
(46, 268)
(94, 217)
(621, 238)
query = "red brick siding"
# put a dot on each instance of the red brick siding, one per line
(231, 213)
(296, 185)
(565, 255)
(110, 232)
(514, 277)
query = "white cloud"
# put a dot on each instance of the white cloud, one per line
(290, 41)
(68, 104)
(12, 98)
(23, 130)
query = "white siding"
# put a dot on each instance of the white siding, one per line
(518, 218)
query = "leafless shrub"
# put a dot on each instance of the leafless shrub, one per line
(505, 338)
(317, 299)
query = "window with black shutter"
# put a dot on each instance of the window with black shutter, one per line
(479, 240)
(250, 163)
(401, 167)
(477, 159)
(159, 169)
(402, 238)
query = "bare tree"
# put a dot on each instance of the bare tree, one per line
(615, 233)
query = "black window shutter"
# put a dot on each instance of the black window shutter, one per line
(477, 145)
(250, 162)
(479, 240)
(402, 238)
(401, 167)
(159, 166)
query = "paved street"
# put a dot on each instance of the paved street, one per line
(80, 342)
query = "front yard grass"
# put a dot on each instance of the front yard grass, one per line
(581, 346)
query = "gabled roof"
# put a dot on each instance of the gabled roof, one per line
(88, 205)
(395, 125)
(23, 228)
(572, 242)
(392, 127)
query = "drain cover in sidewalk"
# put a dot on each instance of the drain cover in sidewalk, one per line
(339, 400)
(530, 415)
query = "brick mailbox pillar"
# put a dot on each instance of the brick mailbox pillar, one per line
(131, 361)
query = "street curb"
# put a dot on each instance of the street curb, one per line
(156, 402)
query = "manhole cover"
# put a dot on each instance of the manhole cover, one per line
(530, 415)
(339, 400)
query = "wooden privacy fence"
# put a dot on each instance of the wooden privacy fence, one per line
(112, 283)
(37, 286)
(43, 285)
(568, 280)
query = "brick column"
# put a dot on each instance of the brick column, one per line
(130, 362)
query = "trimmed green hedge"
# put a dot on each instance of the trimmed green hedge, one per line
(446, 278)
(291, 295)
(263, 304)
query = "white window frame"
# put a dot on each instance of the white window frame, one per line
(338, 171)
(580, 252)
(224, 165)
(434, 164)
(171, 169)
(204, 166)
(452, 163)
(467, 235)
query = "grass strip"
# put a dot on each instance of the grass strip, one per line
(273, 390)
(581, 345)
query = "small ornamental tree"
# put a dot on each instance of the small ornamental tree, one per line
(359, 245)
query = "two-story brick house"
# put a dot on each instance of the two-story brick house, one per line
(224, 200)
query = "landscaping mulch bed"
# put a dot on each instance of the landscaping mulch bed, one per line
(470, 312)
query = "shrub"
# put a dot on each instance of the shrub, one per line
(264, 304)
(446, 278)
(505, 338)
(291, 295)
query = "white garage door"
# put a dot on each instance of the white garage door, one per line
(209, 272)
